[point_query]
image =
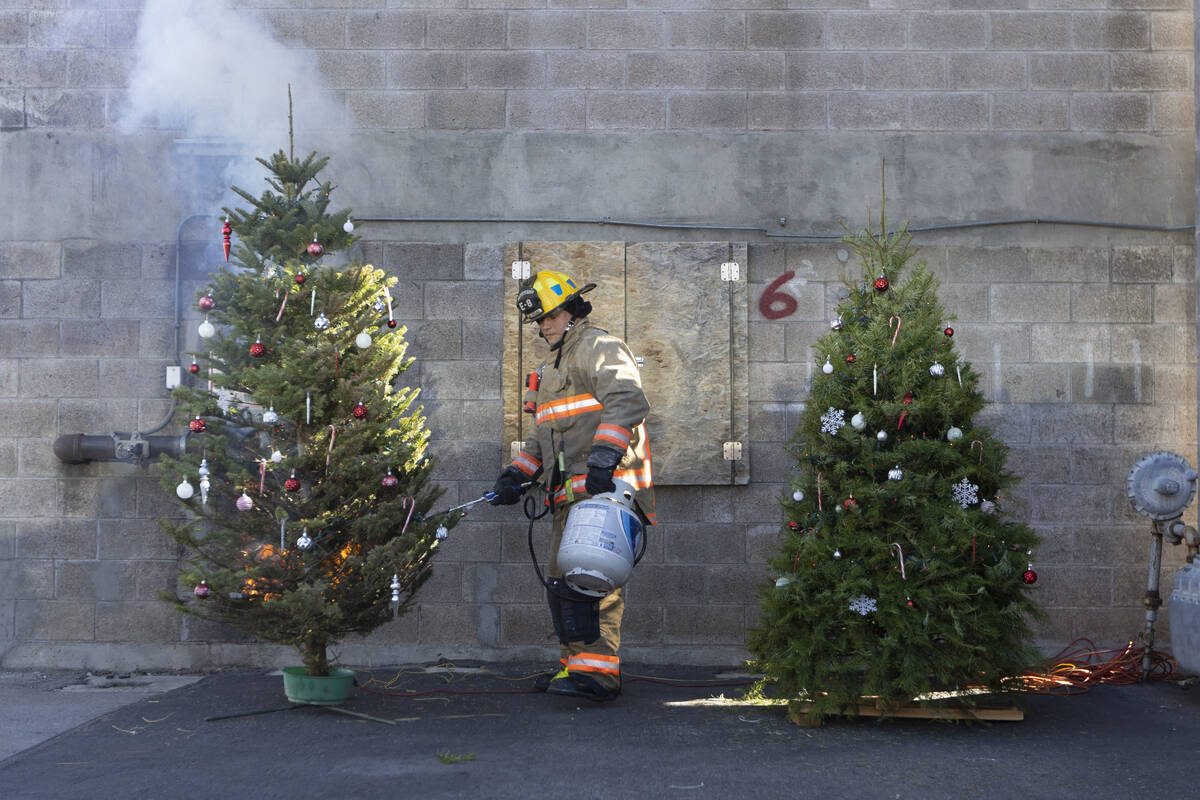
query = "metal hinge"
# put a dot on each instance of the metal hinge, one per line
(730, 271)
(520, 270)
(733, 451)
(514, 450)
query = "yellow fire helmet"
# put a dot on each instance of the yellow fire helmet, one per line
(547, 291)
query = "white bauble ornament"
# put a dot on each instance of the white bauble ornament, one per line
(828, 368)
(270, 416)
(442, 532)
(987, 507)
(895, 473)
(797, 495)
(837, 553)
(362, 341)
(244, 503)
(184, 489)
(937, 370)
(304, 541)
(348, 226)
(881, 436)
(858, 421)
(782, 581)
(321, 322)
(206, 329)
(954, 434)
(276, 456)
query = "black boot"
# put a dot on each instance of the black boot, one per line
(575, 684)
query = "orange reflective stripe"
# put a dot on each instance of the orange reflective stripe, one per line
(568, 407)
(615, 435)
(526, 463)
(594, 662)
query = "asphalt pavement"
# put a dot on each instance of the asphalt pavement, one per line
(481, 731)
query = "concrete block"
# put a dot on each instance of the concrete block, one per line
(1029, 30)
(626, 30)
(474, 30)
(1151, 72)
(388, 109)
(14, 29)
(344, 69)
(59, 378)
(423, 261)
(911, 71)
(1038, 463)
(10, 299)
(484, 262)
(65, 108)
(706, 30)
(868, 111)
(585, 70)
(1111, 383)
(469, 420)
(547, 30)
(779, 382)
(641, 626)
(1024, 111)
(12, 110)
(1172, 111)
(1110, 112)
(31, 580)
(966, 302)
(693, 504)
(771, 422)
(706, 624)
(1075, 586)
(1069, 71)
(745, 71)
(312, 29)
(426, 70)
(866, 31)
(42, 68)
(9, 371)
(951, 111)
(36, 260)
(1013, 424)
(784, 30)
(445, 584)
(1143, 264)
(527, 624)
(9, 453)
(127, 378)
(77, 299)
(1147, 425)
(679, 70)
(1169, 382)
(1086, 504)
(112, 497)
(151, 501)
(111, 581)
(137, 622)
(506, 70)
(704, 542)
(88, 69)
(1111, 303)
(52, 620)
(1119, 30)
(626, 110)
(657, 585)
(707, 110)
(954, 30)
(464, 110)
(448, 623)
(28, 417)
(97, 415)
(462, 300)
(829, 71)
(799, 299)
(55, 539)
(385, 29)
(986, 71)
(1174, 303)
(133, 539)
(787, 110)
(1071, 342)
(120, 338)
(125, 299)
(1170, 30)
(435, 339)
(1070, 264)
(547, 110)
(481, 340)
(1031, 303)
(62, 28)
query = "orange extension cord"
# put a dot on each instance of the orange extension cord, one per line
(1079, 666)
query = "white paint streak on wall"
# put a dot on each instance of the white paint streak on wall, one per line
(1136, 346)
(1089, 381)
(996, 383)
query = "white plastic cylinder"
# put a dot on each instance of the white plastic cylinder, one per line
(1184, 610)
(600, 542)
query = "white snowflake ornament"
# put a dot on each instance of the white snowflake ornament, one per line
(966, 493)
(863, 605)
(833, 420)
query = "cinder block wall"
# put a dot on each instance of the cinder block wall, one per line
(771, 119)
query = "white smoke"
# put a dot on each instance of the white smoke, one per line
(219, 76)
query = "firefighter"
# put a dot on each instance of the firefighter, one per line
(589, 427)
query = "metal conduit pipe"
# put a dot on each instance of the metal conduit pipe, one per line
(80, 448)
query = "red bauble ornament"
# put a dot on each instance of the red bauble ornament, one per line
(881, 284)
(194, 368)
(359, 411)
(315, 249)
(850, 358)
(1029, 576)
(391, 323)
(206, 303)
(257, 349)
(850, 502)
(390, 481)
(197, 425)
(201, 590)
(300, 278)
(949, 331)
(292, 484)
(794, 525)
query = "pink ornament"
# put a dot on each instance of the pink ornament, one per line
(201, 590)
(315, 249)
(390, 481)
(206, 303)
(244, 503)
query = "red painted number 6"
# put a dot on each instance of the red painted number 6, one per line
(775, 304)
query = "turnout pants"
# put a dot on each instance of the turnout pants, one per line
(599, 660)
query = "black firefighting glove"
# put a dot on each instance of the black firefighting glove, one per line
(508, 489)
(601, 463)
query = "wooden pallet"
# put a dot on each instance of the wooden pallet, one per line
(797, 709)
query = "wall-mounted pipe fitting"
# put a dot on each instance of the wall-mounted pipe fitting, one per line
(79, 448)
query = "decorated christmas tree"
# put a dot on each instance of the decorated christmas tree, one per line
(900, 573)
(306, 479)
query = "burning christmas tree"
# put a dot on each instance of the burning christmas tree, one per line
(307, 473)
(900, 572)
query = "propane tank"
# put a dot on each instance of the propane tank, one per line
(600, 542)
